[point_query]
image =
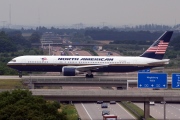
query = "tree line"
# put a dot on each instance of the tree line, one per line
(123, 35)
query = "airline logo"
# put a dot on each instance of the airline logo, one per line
(88, 59)
(160, 48)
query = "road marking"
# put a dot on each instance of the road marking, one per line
(86, 111)
(126, 111)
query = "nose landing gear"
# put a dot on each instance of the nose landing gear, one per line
(20, 74)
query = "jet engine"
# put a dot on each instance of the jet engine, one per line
(69, 71)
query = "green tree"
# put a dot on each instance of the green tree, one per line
(35, 37)
(175, 43)
(17, 39)
(22, 105)
(5, 44)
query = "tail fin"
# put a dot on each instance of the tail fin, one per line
(158, 48)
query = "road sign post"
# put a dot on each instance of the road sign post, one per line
(175, 80)
(152, 80)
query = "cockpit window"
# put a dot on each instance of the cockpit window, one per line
(13, 60)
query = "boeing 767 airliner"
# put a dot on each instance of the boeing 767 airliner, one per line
(73, 65)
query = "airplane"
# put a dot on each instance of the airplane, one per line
(74, 65)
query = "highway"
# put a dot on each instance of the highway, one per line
(93, 111)
(105, 53)
(80, 52)
(157, 111)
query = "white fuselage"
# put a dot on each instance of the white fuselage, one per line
(55, 63)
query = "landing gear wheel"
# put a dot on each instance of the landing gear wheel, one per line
(20, 76)
(89, 76)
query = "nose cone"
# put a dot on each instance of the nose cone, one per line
(12, 62)
(9, 64)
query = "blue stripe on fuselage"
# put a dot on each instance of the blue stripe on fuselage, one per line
(58, 68)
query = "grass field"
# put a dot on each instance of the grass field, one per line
(70, 110)
(11, 84)
(135, 110)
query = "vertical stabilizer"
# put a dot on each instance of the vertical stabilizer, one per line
(158, 48)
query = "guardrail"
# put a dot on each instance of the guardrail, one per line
(108, 95)
(132, 93)
(73, 79)
(119, 80)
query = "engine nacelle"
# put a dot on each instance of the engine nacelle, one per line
(69, 71)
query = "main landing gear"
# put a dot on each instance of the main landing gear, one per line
(89, 74)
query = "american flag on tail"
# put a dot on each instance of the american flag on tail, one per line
(160, 48)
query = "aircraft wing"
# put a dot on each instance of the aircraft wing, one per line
(164, 61)
(90, 67)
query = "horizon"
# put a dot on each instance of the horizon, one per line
(79, 26)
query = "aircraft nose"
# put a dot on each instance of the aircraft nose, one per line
(11, 62)
(8, 64)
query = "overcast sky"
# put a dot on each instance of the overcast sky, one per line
(90, 12)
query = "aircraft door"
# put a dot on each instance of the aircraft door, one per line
(55, 62)
(23, 62)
